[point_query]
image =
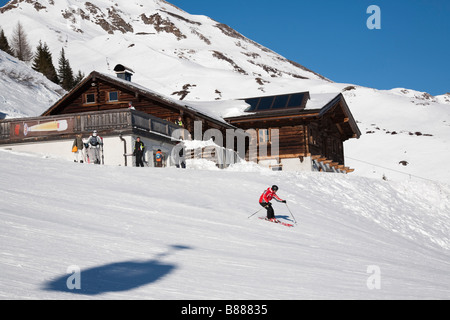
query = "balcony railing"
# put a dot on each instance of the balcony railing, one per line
(67, 125)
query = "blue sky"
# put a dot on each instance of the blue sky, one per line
(411, 50)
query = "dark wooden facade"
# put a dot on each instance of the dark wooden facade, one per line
(316, 133)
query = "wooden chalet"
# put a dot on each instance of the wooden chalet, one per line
(310, 130)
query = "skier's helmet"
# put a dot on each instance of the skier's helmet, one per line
(275, 188)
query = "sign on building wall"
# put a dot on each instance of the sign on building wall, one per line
(36, 128)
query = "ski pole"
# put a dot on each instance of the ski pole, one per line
(256, 212)
(291, 213)
(103, 156)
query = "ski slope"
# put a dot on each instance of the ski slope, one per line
(144, 233)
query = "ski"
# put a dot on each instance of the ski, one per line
(278, 222)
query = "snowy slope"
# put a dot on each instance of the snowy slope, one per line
(406, 135)
(23, 91)
(184, 234)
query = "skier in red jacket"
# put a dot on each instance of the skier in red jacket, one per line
(266, 197)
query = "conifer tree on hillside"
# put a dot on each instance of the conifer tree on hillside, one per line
(19, 44)
(4, 45)
(65, 73)
(78, 78)
(43, 63)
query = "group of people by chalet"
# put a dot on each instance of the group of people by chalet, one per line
(139, 154)
(139, 151)
(89, 150)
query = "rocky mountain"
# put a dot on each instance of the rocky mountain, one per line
(171, 51)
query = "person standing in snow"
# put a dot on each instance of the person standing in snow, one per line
(266, 197)
(79, 150)
(159, 158)
(139, 152)
(94, 143)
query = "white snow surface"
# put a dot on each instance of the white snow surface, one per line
(178, 234)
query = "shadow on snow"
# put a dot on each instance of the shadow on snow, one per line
(287, 218)
(114, 277)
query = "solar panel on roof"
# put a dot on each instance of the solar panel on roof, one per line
(276, 103)
(295, 100)
(265, 103)
(280, 102)
(253, 104)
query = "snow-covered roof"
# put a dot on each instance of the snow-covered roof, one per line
(320, 100)
(237, 107)
(306, 103)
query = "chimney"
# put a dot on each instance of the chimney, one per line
(123, 72)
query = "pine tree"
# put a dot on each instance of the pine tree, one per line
(65, 73)
(4, 45)
(78, 78)
(20, 45)
(43, 63)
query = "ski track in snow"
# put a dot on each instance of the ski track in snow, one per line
(185, 234)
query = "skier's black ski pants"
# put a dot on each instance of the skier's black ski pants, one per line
(139, 159)
(270, 211)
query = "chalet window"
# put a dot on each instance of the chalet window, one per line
(90, 98)
(113, 96)
(264, 135)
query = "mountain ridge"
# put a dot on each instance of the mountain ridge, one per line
(191, 37)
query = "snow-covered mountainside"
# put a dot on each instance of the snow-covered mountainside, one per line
(23, 91)
(187, 235)
(405, 133)
(169, 49)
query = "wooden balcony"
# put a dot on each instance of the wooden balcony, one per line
(66, 126)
